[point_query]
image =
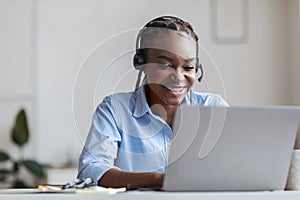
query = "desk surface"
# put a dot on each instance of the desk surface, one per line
(150, 195)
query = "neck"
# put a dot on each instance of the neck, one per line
(159, 108)
(170, 114)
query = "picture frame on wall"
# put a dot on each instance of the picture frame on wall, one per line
(229, 20)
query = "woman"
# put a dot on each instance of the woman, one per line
(130, 135)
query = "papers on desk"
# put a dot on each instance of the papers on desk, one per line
(52, 189)
(20, 191)
(98, 189)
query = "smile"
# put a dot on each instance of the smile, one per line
(175, 89)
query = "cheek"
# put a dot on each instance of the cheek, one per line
(154, 76)
(191, 78)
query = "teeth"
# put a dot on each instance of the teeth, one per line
(176, 89)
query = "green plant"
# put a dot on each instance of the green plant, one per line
(11, 171)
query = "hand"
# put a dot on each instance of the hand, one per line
(159, 177)
(117, 178)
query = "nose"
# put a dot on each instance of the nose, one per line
(177, 75)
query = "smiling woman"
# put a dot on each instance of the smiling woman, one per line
(129, 139)
(169, 77)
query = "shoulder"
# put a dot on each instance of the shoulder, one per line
(209, 99)
(119, 97)
(118, 101)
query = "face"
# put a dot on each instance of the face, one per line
(170, 69)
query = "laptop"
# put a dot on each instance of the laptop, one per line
(231, 148)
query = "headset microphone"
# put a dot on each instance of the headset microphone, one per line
(201, 71)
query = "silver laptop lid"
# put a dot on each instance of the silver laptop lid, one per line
(233, 148)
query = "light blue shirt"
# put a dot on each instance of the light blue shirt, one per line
(125, 134)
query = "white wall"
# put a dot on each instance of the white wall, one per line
(259, 65)
(294, 59)
(294, 47)
(261, 70)
(16, 69)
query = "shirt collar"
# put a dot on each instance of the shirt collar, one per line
(141, 104)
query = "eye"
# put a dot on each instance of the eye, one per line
(165, 66)
(189, 67)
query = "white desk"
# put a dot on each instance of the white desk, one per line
(149, 195)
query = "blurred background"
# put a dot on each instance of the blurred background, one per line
(59, 58)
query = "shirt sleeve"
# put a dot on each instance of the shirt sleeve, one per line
(216, 100)
(101, 146)
(209, 99)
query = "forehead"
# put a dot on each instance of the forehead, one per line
(174, 42)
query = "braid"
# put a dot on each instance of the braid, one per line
(163, 24)
(159, 27)
(138, 81)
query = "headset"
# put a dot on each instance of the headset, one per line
(139, 58)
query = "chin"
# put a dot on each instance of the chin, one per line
(174, 101)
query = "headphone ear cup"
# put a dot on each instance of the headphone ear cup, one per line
(138, 61)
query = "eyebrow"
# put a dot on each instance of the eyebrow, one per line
(189, 59)
(171, 60)
(165, 58)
